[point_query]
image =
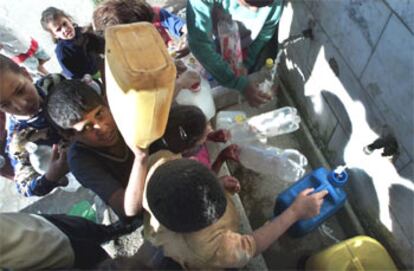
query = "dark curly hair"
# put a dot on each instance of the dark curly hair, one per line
(114, 12)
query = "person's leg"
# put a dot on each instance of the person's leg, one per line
(85, 237)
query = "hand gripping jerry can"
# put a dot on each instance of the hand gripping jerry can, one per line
(140, 79)
(361, 253)
(320, 179)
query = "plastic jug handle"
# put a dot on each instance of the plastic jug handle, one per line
(329, 189)
(357, 264)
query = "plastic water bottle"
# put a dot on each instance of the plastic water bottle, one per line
(288, 165)
(229, 37)
(39, 156)
(242, 133)
(277, 122)
(320, 179)
(226, 119)
(265, 78)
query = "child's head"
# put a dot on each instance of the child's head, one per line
(58, 23)
(187, 129)
(81, 113)
(185, 196)
(18, 95)
(113, 12)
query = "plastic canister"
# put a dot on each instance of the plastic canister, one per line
(320, 179)
(140, 78)
(359, 253)
(203, 99)
(226, 119)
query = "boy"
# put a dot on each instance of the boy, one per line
(37, 242)
(258, 21)
(23, 101)
(98, 158)
(195, 221)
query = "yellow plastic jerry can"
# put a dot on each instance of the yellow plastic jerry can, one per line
(359, 253)
(140, 78)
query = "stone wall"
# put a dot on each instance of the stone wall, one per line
(353, 83)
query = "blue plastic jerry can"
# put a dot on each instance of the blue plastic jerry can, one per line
(320, 179)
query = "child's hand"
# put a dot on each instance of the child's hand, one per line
(232, 152)
(58, 166)
(307, 205)
(254, 96)
(222, 135)
(231, 184)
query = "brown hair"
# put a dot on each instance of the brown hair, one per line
(8, 65)
(51, 14)
(113, 12)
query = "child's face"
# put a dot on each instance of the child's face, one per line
(97, 128)
(62, 28)
(18, 95)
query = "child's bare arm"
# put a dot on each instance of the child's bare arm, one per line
(134, 191)
(305, 206)
(232, 152)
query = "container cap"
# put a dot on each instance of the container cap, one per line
(269, 63)
(338, 179)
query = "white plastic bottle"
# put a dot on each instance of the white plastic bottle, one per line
(288, 165)
(265, 77)
(277, 122)
(39, 156)
(226, 119)
(242, 133)
(229, 37)
(203, 99)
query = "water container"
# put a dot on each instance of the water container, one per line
(229, 37)
(226, 119)
(39, 156)
(242, 133)
(320, 179)
(140, 81)
(277, 122)
(360, 253)
(288, 165)
(203, 98)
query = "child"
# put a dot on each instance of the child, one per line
(187, 132)
(98, 158)
(196, 223)
(170, 26)
(76, 49)
(23, 102)
(37, 242)
(258, 21)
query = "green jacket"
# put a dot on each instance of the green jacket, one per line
(201, 20)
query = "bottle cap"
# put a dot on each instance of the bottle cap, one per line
(269, 63)
(337, 178)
